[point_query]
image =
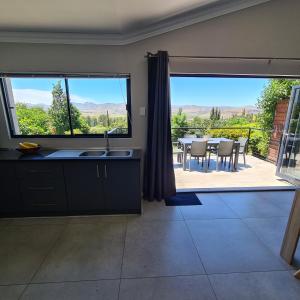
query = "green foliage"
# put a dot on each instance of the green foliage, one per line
(179, 121)
(215, 114)
(232, 134)
(98, 129)
(275, 91)
(32, 120)
(59, 115)
(59, 110)
(259, 142)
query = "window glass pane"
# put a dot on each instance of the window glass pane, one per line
(38, 106)
(98, 105)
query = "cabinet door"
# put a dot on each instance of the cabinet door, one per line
(10, 201)
(122, 186)
(84, 184)
(42, 186)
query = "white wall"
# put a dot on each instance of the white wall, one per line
(268, 30)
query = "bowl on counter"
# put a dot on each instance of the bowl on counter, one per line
(32, 150)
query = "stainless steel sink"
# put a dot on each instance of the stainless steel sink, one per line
(119, 153)
(93, 153)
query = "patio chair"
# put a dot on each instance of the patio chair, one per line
(199, 149)
(178, 151)
(224, 150)
(243, 147)
(206, 136)
(187, 135)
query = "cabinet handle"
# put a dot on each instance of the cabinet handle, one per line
(105, 171)
(97, 167)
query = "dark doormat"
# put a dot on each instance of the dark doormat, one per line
(183, 199)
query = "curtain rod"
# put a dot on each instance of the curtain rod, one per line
(228, 57)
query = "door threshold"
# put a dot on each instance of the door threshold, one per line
(238, 189)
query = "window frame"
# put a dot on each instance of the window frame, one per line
(64, 77)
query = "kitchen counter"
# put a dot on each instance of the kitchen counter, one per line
(14, 155)
(60, 182)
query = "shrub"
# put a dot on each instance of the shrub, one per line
(232, 134)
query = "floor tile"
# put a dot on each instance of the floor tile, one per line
(39, 221)
(281, 199)
(159, 249)
(252, 205)
(3, 223)
(11, 292)
(97, 219)
(240, 196)
(209, 198)
(23, 249)
(256, 286)
(85, 252)
(212, 207)
(157, 210)
(167, 288)
(90, 290)
(271, 232)
(227, 245)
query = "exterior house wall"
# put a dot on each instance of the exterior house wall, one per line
(278, 126)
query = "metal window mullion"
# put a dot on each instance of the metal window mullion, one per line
(69, 105)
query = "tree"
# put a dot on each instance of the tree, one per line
(179, 124)
(58, 110)
(59, 114)
(274, 91)
(32, 120)
(215, 114)
(212, 113)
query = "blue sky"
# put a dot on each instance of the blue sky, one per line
(204, 91)
(213, 91)
(38, 90)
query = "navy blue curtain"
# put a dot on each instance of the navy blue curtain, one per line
(159, 178)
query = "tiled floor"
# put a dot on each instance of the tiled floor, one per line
(226, 249)
(256, 173)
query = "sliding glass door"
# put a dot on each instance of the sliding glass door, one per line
(288, 166)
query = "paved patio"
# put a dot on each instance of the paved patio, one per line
(256, 173)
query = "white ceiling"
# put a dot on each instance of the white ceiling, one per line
(113, 21)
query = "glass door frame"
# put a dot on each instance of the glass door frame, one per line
(295, 91)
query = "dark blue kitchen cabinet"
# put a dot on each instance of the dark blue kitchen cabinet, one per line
(10, 200)
(42, 187)
(122, 186)
(67, 187)
(84, 186)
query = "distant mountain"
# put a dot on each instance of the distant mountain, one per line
(91, 108)
(204, 111)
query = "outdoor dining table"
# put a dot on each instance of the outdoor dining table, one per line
(212, 142)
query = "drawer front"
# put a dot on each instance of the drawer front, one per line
(49, 196)
(42, 186)
(38, 169)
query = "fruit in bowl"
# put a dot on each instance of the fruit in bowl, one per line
(28, 148)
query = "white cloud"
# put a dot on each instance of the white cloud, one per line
(79, 99)
(32, 96)
(35, 97)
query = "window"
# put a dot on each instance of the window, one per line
(72, 106)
